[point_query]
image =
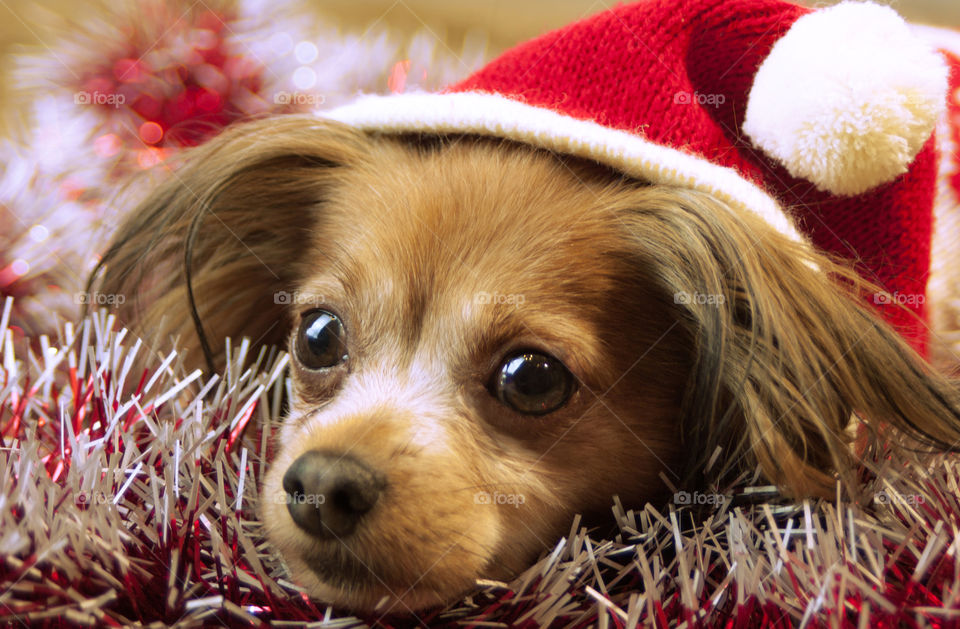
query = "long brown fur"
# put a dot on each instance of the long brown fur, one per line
(769, 360)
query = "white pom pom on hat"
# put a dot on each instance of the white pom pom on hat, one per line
(846, 98)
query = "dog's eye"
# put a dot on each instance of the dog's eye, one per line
(320, 342)
(532, 383)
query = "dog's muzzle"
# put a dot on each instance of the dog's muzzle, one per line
(329, 493)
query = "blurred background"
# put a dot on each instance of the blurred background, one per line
(28, 25)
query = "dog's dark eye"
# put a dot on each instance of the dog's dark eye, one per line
(320, 342)
(532, 383)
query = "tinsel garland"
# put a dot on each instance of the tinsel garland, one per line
(130, 497)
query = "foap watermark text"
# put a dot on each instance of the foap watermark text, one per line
(696, 98)
(99, 98)
(892, 498)
(298, 98)
(496, 498)
(100, 299)
(896, 297)
(509, 299)
(704, 299)
(296, 298)
(687, 498)
(285, 498)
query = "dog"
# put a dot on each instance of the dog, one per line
(489, 334)
(420, 396)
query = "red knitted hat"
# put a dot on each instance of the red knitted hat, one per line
(819, 121)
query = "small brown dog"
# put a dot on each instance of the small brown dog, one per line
(562, 293)
(486, 340)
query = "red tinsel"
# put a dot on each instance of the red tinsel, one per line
(129, 496)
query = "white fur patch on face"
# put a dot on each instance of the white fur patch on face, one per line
(421, 394)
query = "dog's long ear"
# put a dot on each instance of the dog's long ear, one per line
(209, 253)
(784, 354)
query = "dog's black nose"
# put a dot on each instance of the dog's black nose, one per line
(328, 493)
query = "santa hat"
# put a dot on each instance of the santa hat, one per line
(820, 121)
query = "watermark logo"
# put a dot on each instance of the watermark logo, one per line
(296, 298)
(896, 297)
(510, 299)
(87, 498)
(696, 98)
(496, 498)
(686, 498)
(100, 299)
(298, 98)
(98, 98)
(887, 498)
(284, 498)
(703, 299)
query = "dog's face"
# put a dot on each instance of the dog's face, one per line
(487, 339)
(476, 357)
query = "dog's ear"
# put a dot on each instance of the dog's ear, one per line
(216, 249)
(785, 355)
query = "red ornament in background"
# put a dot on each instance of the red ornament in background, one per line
(180, 89)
